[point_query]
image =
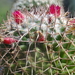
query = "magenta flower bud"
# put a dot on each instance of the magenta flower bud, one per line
(18, 16)
(9, 40)
(55, 10)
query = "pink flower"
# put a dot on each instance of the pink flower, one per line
(72, 21)
(18, 16)
(9, 40)
(55, 10)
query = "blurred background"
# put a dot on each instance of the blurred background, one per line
(5, 6)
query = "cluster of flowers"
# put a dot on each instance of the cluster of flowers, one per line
(19, 18)
(53, 9)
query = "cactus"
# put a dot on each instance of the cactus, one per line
(44, 42)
